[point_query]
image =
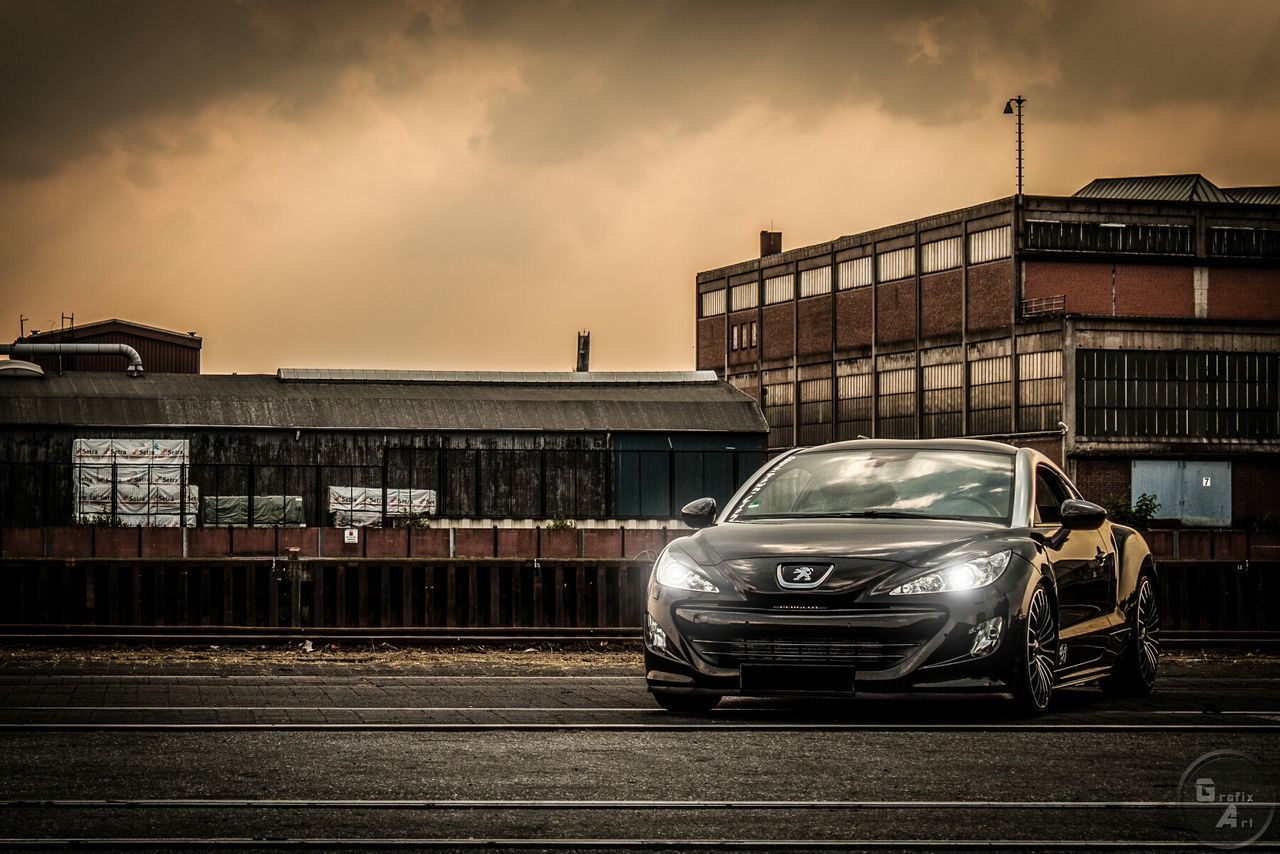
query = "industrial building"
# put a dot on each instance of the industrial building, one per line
(162, 351)
(324, 447)
(1131, 331)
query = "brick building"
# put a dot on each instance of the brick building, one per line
(1131, 331)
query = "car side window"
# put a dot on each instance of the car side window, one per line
(1050, 493)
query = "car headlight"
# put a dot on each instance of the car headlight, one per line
(675, 570)
(971, 574)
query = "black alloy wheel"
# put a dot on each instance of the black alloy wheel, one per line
(1032, 678)
(1135, 671)
(690, 704)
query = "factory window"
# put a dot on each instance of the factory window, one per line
(1155, 239)
(736, 339)
(896, 264)
(575, 482)
(815, 404)
(754, 339)
(779, 289)
(713, 303)
(745, 296)
(779, 395)
(1245, 242)
(853, 398)
(815, 282)
(1039, 390)
(991, 244)
(897, 400)
(943, 387)
(989, 395)
(747, 383)
(1177, 394)
(939, 255)
(855, 273)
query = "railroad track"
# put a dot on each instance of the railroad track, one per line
(436, 636)
(574, 805)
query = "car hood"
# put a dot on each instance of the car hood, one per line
(863, 552)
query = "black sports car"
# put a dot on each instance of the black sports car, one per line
(877, 565)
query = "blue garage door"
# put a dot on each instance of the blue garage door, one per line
(1195, 492)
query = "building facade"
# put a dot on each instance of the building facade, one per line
(1131, 331)
(339, 447)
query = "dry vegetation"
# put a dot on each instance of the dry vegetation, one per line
(596, 658)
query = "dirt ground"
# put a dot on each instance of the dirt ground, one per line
(619, 657)
(600, 657)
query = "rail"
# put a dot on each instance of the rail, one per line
(1033, 306)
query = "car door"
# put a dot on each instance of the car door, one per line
(1084, 567)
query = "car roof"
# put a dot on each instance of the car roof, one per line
(921, 444)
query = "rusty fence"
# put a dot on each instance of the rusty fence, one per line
(603, 542)
(1198, 596)
(269, 593)
(617, 542)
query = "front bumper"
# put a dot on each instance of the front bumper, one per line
(727, 647)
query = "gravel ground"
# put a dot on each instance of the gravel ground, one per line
(599, 658)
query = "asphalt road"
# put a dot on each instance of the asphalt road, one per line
(363, 758)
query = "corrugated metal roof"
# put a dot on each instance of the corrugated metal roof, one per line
(115, 324)
(1155, 188)
(1255, 195)
(182, 400)
(508, 377)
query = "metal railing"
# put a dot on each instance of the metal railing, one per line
(1034, 306)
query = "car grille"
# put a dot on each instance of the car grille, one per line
(864, 654)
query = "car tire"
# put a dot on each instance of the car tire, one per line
(1035, 655)
(689, 704)
(1134, 674)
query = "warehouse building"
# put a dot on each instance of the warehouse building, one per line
(324, 447)
(163, 351)
(1131, 331)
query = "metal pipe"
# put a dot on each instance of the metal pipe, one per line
(22, 348)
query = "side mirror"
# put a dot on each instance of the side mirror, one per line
(700, 513)
(1080, 515)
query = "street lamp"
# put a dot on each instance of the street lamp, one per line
(1010, 107)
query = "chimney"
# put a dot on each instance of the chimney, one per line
(584, 352)
(770, 243)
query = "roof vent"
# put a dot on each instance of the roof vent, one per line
(18, 368)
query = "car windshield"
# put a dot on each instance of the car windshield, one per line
(884, 482)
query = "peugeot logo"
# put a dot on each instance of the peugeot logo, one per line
(802, 576)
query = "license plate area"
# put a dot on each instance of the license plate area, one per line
(797, 678)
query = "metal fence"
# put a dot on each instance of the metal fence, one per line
(1215, 596)
(337, 594)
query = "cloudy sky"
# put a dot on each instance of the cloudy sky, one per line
(457, 185)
